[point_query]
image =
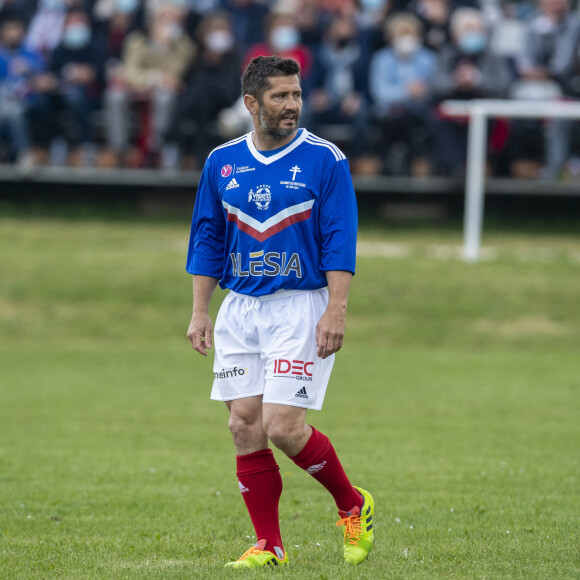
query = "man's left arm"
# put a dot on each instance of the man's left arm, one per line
(330, 327)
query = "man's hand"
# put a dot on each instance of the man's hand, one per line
(330, 327)
(200, 328)
(200, 332)
(330, 332)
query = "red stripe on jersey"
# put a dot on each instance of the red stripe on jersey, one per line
(282, 225)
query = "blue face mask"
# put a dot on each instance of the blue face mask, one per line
(126, 6)
(285, 38)
(372, 4)
(472, 42)
(76, 36)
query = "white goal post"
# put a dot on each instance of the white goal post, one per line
(478, 111)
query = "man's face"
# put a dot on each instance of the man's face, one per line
(280, 107)
(12, 34)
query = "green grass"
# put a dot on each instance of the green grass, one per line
(456, 401)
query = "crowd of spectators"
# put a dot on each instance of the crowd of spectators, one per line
(156, 83)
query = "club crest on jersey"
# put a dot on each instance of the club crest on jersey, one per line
(261, 197)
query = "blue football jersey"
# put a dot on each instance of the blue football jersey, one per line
(274, 220)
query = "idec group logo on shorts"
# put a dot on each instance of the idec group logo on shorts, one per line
(293, 369)
(227, 170)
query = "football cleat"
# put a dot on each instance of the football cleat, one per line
(358, 529)
(257, 556)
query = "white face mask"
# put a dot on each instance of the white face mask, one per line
(406, 45)
(219, 41)
(174, 31)
(284, 38)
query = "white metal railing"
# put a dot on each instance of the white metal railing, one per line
(478, 111)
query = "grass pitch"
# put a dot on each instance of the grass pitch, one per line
(456, 402)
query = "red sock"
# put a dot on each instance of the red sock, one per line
(261, 487)
(319, 459)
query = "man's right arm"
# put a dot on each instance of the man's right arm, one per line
(201, 328)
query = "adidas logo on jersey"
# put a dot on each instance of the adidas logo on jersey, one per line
(302, 394)
(243, 488)
(232, 184)
(316, 468)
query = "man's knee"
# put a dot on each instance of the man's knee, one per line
(245, 423)
(285, 427)
(241, 425)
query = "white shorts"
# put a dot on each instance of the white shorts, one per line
(267, 346)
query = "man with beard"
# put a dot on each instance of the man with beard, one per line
(275, 223)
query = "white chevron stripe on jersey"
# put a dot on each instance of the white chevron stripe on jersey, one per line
(322, 141)
(263, 230)
(314, 140)
(229, 144)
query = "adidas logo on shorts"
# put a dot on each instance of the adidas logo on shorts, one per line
(302, 394)
(233, 183)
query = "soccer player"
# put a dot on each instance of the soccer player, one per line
(275, 222)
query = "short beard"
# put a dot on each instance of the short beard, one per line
(273, 132)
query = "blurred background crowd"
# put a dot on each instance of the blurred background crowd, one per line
(156, 83)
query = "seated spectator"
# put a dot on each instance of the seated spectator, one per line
(338, 84)
(435, 15)
(467, 69)
(114, 20)
(371, 16)
(310, 22)
(72, 89)
(212, 85)
(19, 69)
(283, 39)
(153, 66)
(401, 77)
(123, 19)
(552, 41)
(247, 18)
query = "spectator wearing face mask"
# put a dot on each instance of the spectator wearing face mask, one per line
(401, 79)
(435, 16)
(212, 85)
(336, 93)
(467, 69)
(19, 70)
(153, 65)
(72, 89)
(283, 39)
(546, 68)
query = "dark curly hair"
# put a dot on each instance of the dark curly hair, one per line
(255, 77)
